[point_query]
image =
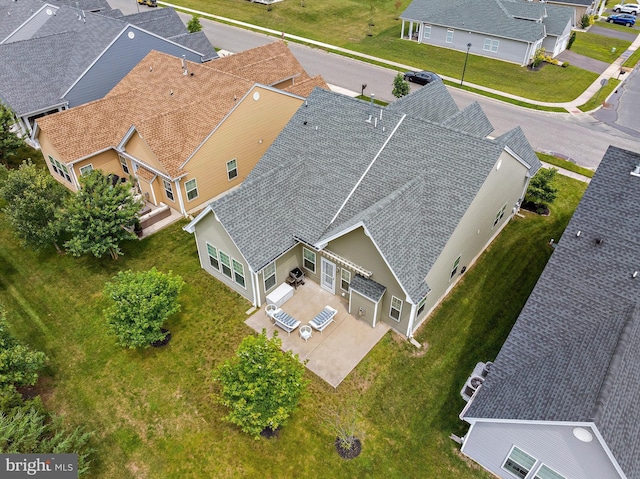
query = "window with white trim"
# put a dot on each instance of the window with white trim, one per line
(396, 308)
(269, 275)
(454, 270)
(309, 260)
(225, 261)
(60, 169)
(86, 169)
(426, 32)
(499, 215)
(191, 188)
(490, 45)
(421, 305)
(449, 36)
(518, 463)
(232, 169)
(212, 251)
(123, 163)
(345, 279)
(546, 472)
(168, 189)
(238, 273)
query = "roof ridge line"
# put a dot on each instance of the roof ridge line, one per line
(404, 115)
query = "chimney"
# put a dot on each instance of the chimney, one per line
(184, 62)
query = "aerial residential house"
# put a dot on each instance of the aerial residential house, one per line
(581, 7)
(383, 207)
(187, 132)
(61, 56)
(509, 30)
(560, 401)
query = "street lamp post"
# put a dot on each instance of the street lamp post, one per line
(466, 57)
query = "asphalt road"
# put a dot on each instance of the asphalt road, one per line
(583, 138)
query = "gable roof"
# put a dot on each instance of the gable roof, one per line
(66, 43)
(572, 354)
(13, 14)
(385, 174)
(513, 19)
(173, 112)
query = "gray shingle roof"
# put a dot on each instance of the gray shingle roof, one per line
(557, 19)
(572, 355)
(65, 46)
(367, 287)
(311, 185)
(493, 17)
(197, 41)
(438, 106)
(87, 5)
(573, 2)
(13, 14)
(471, 120)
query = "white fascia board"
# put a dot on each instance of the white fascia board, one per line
(46, 5)
(191, 227)
(126, 138)
(233, 241)
(517, 157)
(238, 102)
(44, 110)
(325, 241)
(535, 422)
(610, 455)
(147, 166)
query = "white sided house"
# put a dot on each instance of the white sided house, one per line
(509, 30)
(384, 207)
(561, 400)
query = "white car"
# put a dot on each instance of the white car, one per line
(632, 8)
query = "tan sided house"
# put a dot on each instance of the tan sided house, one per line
(383, 207)
(187, 132)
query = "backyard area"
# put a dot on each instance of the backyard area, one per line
(153, 411)
(347, 24)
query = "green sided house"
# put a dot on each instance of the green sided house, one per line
(383, 207)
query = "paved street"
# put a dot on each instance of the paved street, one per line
(583, 138)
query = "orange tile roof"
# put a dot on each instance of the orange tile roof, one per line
(171, 111)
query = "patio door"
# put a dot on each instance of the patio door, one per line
(328, 276)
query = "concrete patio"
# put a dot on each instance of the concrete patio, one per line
(335, 352)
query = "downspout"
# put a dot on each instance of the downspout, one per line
(402, 31)
(412, 317)
(179, 192)
(256, 294)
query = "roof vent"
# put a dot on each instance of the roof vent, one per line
(578, 234)
(150, 69)
(636, 171)
(170, 92)
(599, 240)
(634, 275)
(304, 122)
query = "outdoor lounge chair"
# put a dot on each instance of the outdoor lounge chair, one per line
(323, 319)
(283, 320)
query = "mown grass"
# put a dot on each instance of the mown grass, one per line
(153, 410)
(597, 99)
(566, 164)
(633, 60)
(599, 47)
(345, 23)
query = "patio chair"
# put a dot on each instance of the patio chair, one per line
(283, 320)
(323, 319)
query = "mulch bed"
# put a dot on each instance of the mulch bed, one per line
(536, 208)
(162, 342)
(270, 433)
(354, 451)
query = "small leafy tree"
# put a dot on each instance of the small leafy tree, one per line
(142, 303)
(261, 385)
(19, 365)
(194, 24)
(541, 189)
(34, 198)
(585, 21)
(97, 215)
(538, 57)
(346, 423)
(572, 39)
(400, 86)
(10, 142)
(29, 429)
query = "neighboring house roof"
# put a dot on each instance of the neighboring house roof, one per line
(585, 3)
(63, 47)
(573, 354)
(161, 21)
(86, 5)
(198, 42)
(13, 14)
(173, 112)
(407, 180)
(559, 17)
(514, 19)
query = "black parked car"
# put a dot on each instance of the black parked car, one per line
(421, 77)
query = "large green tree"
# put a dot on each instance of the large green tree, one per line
(400, 86)
(261, 384)
(33, 199)
(541, 188)
(19, 365)
(10, 142)
(97, 215)
(142, 303)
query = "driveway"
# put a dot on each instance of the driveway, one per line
(583, 62)
(629, 35)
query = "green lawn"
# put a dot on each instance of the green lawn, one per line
(567, 165)
(345, 23)
(599, 47)
(597, 99)
(153, 412)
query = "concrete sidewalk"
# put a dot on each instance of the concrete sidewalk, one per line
(571, 106)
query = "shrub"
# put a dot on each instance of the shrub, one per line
(585, 21)
(565, 64)
(538, 57)
(572, 39)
